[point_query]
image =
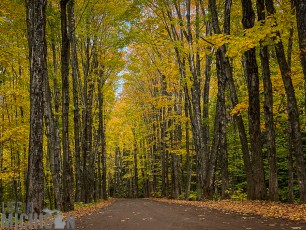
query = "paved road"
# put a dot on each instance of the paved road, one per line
(140, 214)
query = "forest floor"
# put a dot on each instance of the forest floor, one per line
(295, 212)
(143, 214)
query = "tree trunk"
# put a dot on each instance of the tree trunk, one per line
(268, 110)
(300, 6)
(219, 140)
(163, 128)
(57, 158)
(293, 113)
(206, 94)
(53, 146)
(76, 112)
(290, 167)
(223, 139)
(68, 200)
(103, 160)
(135, 171)
(197, 131)
(102, 135)
(251, 71)
(36, 25)
(88, 154)
(234, 99)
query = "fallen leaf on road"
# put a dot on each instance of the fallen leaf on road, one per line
(296, 212)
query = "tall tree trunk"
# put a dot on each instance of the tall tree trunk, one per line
(57, 158)
(53, 147)
(36, 25)
(188, 156)
(223, 139)
(68, 200)
(88, 154)
(198, 132)
(135, 170)
(268, 109)
(251, 71)
(206, 93)
(300, 6)
(163, 124)
(234, 99)
(103, 160)
(219, 140)
(293, 113)
(75, 92)
(174, 169)
(178, 136)
(102, 135)
(290, 167)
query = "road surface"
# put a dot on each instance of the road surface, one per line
(140, 214)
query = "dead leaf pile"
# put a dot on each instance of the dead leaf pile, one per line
(87, 210)
(293, 212)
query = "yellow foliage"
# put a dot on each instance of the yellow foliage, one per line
(240, 107)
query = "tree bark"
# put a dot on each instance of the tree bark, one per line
(102, 134)
(54, 149)
(75, 91)
(198, 133)
(219, 140)
(234, 99)
(68, 200)
(36, 25)
(290, 167)
(300, 6)
(88, 155)
(135, 170)
(55, 132)
(251, 71)
(293, 113)
(268, 110)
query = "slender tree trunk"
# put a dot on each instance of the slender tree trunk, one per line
(68, 200)
(163, 141)
(300, 6)
(178, 136)
(234, 99)
(135, 170)
(290, 147)
(293, 113)
(88, 164)
(36, 25)
(75, 91)
(206, 94)
(188, 157)
(251, 71)
(57, 158)
(268, 110)
(198, 132)
(290, 167)
(88, 132)
(53, 147)
(224, 159)
(219, 140)
(102, 135)
(104, 169)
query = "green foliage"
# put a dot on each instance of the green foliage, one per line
(239, 194)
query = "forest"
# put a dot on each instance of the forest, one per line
(181, 99)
